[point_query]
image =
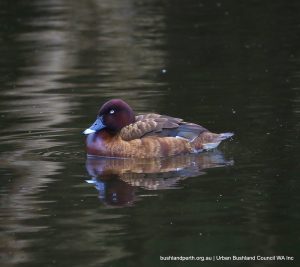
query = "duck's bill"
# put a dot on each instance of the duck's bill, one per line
(88, 131)
(96, 126)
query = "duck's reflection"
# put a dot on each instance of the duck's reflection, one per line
(117, 179)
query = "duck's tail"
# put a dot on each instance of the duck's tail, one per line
(208, 140)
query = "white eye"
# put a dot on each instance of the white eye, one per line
(112, 111)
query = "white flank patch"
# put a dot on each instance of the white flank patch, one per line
(209, 146)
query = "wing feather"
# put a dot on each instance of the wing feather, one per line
(160, 125)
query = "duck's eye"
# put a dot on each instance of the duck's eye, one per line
(112, 111)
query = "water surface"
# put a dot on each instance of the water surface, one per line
(228, 66)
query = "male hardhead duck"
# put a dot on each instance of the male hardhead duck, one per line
(117, 132)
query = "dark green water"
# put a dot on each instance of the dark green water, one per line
(227, 65)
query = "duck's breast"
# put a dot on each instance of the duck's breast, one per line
(104, 144)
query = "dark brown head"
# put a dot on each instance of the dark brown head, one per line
(113, 115)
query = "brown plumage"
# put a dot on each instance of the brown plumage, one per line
(118, 133)
(146, 124)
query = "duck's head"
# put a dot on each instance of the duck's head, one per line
(113, 116)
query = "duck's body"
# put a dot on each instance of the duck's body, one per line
(118, 133)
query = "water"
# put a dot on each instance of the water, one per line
(229, 66)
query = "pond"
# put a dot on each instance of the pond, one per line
(227, 65)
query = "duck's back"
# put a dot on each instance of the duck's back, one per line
(161, 126)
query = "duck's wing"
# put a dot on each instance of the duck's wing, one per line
(161, 126)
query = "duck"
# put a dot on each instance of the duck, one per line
(118, 133)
